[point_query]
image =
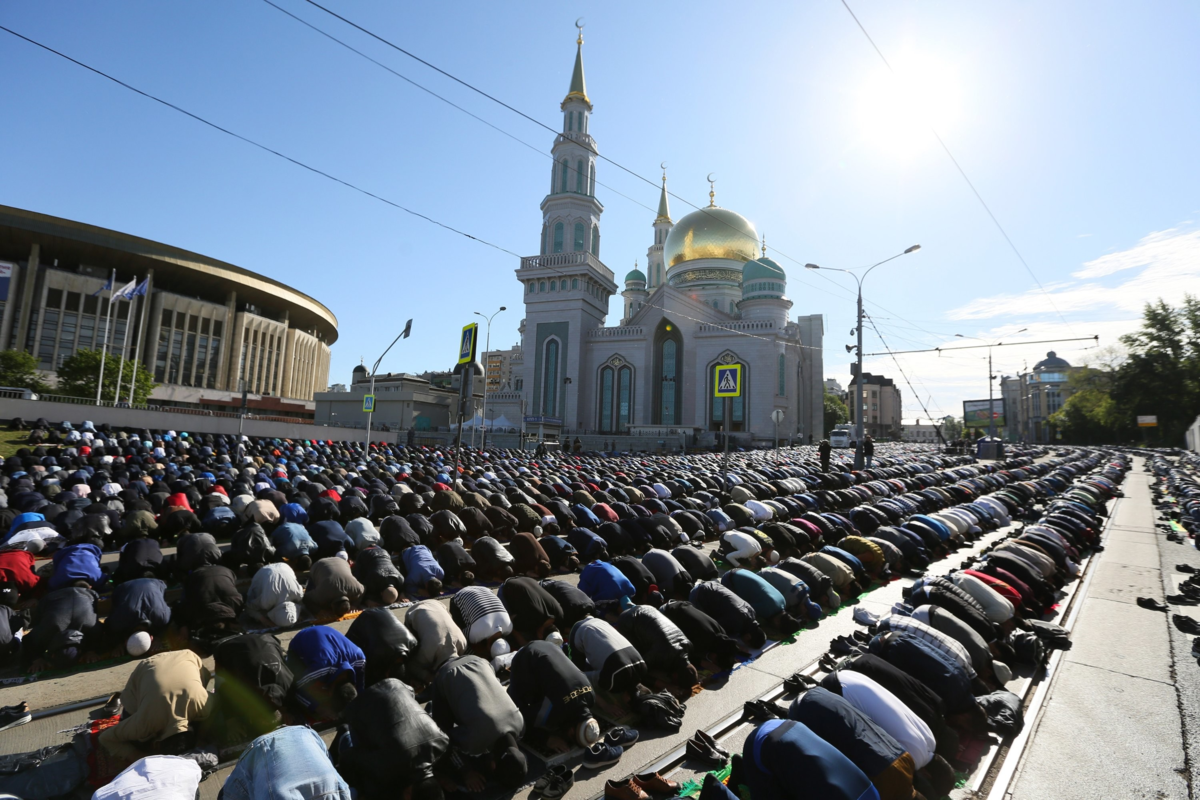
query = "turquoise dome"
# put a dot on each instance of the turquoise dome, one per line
(762, 269)
(635, 276)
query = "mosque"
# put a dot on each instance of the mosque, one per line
(708, 296)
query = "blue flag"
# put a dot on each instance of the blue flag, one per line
(108, 285)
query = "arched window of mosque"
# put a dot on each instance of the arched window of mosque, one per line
(670, 386)
(570, 121)
(592, 180)
(596, 241)
(606, 399)
(732, 306)
(553, 286)
(541, 286)
(624, 398)
(545, 231)
(550, 379)
(532, 287)
(574, 283)
(563, 184)
(558, 237)
(782, 375)
(578, 177)
(579, 245)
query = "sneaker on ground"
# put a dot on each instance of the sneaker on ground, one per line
(602, 754)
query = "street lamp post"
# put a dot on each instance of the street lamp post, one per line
(991, 378)
(487, 347)
(403, 335)
(858, 384)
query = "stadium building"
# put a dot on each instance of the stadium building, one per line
(204, 329)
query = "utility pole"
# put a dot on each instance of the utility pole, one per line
(858, 378)
(371, 413)
(486, 348)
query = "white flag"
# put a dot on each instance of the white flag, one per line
(125, 292)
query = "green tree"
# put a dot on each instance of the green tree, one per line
(952, 428)
(1090, 416)
(1161, 377)
(78, 375)
(835, 412)
(19, 369)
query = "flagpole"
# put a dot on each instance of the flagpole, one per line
(124, 344)
(137, 348)
(112, 288)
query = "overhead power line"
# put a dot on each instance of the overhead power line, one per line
(259, 145)
(981, 346)
(963, 173)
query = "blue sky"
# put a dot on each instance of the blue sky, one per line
(1076, 121)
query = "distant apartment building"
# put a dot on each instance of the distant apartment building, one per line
(1032, 397)
(834, 388)
(922, 434)
(882, 406)
(498, 367)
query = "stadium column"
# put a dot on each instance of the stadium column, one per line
(30, 277)
(226, 381)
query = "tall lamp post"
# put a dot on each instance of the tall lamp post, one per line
(858, 385)
(403, 335)
(486, 348)
(991, 378)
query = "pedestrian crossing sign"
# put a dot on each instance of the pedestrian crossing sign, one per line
(369, 402)
(728, 381)
(466, 345)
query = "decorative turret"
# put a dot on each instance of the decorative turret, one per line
(763, 285)
(662, 227)
(635, 293)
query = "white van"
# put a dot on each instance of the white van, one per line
(17, 393)
(840, 438)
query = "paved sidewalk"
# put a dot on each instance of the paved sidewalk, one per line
(1111, 726)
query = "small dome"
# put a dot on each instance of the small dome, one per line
(360, 370)
(762, 269)
(635, 276)
(1051, 361)
(712, 232)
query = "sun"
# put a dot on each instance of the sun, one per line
(895, 112)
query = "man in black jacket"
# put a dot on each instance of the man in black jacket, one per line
(554, 696)
(384, 640)
(390, 745)
(483, 723)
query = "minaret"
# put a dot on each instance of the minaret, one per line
(635, 293)
(656, 271)
(570, 212)
(566, 286)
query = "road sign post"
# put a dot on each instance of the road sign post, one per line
(777, 417)
(466, 386)
(727, 384)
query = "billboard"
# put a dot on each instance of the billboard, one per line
(975, 413)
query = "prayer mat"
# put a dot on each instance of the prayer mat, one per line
(102, 766)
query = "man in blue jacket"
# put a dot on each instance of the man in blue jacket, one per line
(329, 671)
(783, 760)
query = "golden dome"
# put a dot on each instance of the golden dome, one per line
(712, 232)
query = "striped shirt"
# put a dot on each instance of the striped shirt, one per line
(933, 637)
(472, 604)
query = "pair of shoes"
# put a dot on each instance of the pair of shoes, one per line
(12, 716)
(798, 683)
(1186, 624)
(704, 748)
(1182, 600)
(556, 781)
(826, 663)
(1151, 603)
(862, 636)
(1196, 647)
(622, 737)
(602, 754)
(624, 790)
(845, 646)
(1185, 568)
(759, 711)
(654, 783)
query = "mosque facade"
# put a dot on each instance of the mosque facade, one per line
(708, 296)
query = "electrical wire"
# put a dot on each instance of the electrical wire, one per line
(963, 173)
(904, 375)
(259, 145)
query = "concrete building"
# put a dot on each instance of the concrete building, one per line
(203, 328)
(834, 388)
(882, 405)
(923, 434)
(498, 368)
(1035, 396)
(708, 296)
(402, 401)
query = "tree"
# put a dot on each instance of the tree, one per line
(78, 375)
(835, 412)
(1089, 416)
(19, 369)
(1162, 374)
(952, 428)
